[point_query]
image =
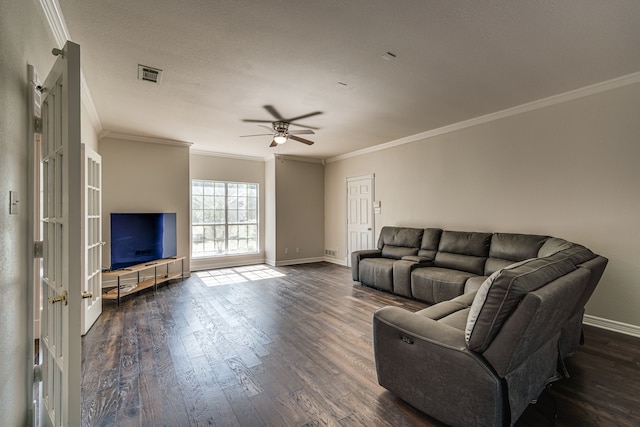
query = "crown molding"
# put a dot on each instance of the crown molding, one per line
(226, 155)
(56, 21)
(629, 79)
(58, 26)
(146, 139)
(296, 158)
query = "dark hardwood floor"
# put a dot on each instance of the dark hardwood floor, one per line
(293, 348)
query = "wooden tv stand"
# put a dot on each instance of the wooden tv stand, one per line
(116, 290)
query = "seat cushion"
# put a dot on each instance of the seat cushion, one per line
(473, 284)
(500, 294)
(446, 308)
(436, 284)
(397, 252)
(377, 273)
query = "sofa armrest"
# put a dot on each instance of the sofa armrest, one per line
(427, 364)
(356, 256)
(402, 273)
(422, 328)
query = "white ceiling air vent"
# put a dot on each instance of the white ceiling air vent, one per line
(149, 74)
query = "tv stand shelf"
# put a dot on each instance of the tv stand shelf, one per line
(115, 290)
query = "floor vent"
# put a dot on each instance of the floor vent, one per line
(149, 74)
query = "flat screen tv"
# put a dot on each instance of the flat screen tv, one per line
(137, 238)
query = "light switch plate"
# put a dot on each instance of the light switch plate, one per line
(13, 203)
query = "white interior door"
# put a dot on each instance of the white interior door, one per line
(92, 217)
(360, 214)
(62, 241)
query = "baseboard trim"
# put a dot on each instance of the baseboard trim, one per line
(336, 261)
(612, 325)
(297, 261)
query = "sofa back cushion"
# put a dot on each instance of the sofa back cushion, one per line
(552, 246)
(430, 242)
(396, 242)
(507, 248)
(400, 236)
(578, 254)
(501, 293)
(466, 251)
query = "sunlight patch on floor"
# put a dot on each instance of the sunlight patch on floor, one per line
(226, 276)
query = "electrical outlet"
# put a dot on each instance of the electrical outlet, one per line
(297, 250)
(286, 251)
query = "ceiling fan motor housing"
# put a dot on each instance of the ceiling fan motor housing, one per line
(280, 127)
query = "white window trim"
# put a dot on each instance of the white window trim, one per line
(199, 255)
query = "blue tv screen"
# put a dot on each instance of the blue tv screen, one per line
(137, 238)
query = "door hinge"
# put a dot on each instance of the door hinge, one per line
(38, 249)
(37, 124)
(37, 373)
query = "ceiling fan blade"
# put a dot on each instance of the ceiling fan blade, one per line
(304, 141)
(304, 126)
(301, 132)
(256, 121)
(270, 128)
(272, 110)
(273, 143)
(259, 134)
(304, 116)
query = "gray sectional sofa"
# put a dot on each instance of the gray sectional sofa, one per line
(506, 310)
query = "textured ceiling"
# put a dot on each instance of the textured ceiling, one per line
(225, 59)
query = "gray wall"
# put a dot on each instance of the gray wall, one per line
(569, 170)
(294, 205)
(25, 39)
(299, 205)
(145, 177)
(270, 211)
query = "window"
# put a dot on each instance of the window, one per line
(224, 218)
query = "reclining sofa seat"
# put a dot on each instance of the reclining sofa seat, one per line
(375, 267)
(433, 265)
(518, 355)
(479, 359)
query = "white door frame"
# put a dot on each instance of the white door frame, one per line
(373, 228)
(91, 237)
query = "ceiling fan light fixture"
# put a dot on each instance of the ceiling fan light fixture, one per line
(280, 138)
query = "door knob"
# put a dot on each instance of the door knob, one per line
(59, 298)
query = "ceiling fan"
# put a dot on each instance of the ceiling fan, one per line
(280, 127)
